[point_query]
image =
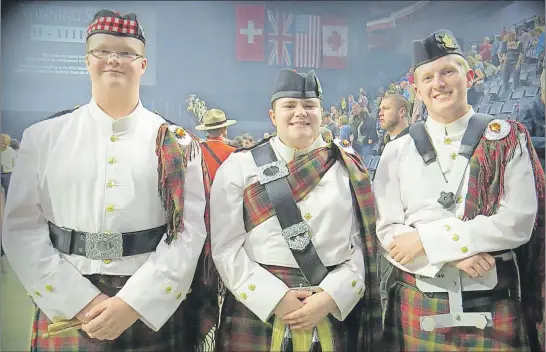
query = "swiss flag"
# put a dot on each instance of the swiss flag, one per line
(335, 41)
(250, 32)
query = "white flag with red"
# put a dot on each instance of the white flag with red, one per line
(335, 42)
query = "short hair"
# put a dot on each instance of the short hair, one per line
(326, 114)
(401, 102)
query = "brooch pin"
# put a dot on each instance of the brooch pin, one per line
(180, 133)
(497, 130)
(448, 42)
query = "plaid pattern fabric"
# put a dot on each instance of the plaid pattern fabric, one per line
(242, 330)
(305, 173)
(113, 24)
(202, 302)
(139, 337)
(403, 332)
(485, 189)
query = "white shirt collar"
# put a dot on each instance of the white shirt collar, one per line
(118, 125)
(287, 153)
(458, 126)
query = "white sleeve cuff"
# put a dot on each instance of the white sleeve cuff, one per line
(156, 300)
(261, 293)
(445, 241)
(63, 294)
(345, 287)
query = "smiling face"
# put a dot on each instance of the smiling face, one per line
(442, 85)
(122, 69)
(297, 121)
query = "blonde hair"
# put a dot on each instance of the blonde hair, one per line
(478, 57)
(459, 60)
(5, 137)
(400, 101)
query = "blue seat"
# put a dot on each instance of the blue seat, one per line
(496, 108)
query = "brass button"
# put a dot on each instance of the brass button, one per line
(168, 289)
(447, 141)
(110, 184)
(178, 295)
(49, 288)
(455, 237)
(37, 293)
(464, 250)
(353, 283)
(112, 160)
(459, 200)
(453, 156)
(307, 216)
(113, 138)
(107, 261)
(251, 287)
(447, 227)
(243, 295)
(110, 208)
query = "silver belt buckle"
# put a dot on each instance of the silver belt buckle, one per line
(297, 236)
(100, 246)
(272, 172)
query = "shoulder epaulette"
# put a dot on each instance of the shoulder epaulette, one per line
(263, 141)
(64, 112)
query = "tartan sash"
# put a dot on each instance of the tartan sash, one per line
(202, 302)
(485, 189)
(305, 173)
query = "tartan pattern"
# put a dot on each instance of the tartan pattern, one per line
(113, 24)
(138, 338)
(403, 332)
(242, 330)
(202, 302)
(486, 187)
(305, 173)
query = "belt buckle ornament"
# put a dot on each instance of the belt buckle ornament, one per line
(272, 172)
(100, 246)
(297, 236)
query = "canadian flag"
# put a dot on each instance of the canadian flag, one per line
(249, 40)
(335, 37)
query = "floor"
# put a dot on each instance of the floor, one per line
(16, 312)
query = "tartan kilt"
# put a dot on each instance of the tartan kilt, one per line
(406, 304)
(139, 337)
(242, 330)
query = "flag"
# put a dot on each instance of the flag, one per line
(280, 37)
(249, 41)
(307, 41)
(335, 42)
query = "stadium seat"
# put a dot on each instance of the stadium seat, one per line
(509, 107)
(496, 108)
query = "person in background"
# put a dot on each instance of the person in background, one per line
(485, 49)
(495, 50)
(366, 135)
(8, 157)
(393, 118)
(512, 52)
(330, 124)
(215, 150)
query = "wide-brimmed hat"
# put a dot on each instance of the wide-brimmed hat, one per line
(213, 119)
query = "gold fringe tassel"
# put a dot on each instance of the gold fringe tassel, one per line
(301, 340)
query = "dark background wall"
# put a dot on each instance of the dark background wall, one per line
(192, 51)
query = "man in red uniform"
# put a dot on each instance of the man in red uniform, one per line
(215, 149)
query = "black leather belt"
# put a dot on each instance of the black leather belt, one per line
(106, 245)
(272, 174)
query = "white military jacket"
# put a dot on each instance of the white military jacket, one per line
(328, 209)
(406, 199)
(88, 172)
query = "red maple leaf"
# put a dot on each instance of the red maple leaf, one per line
(335, 40)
